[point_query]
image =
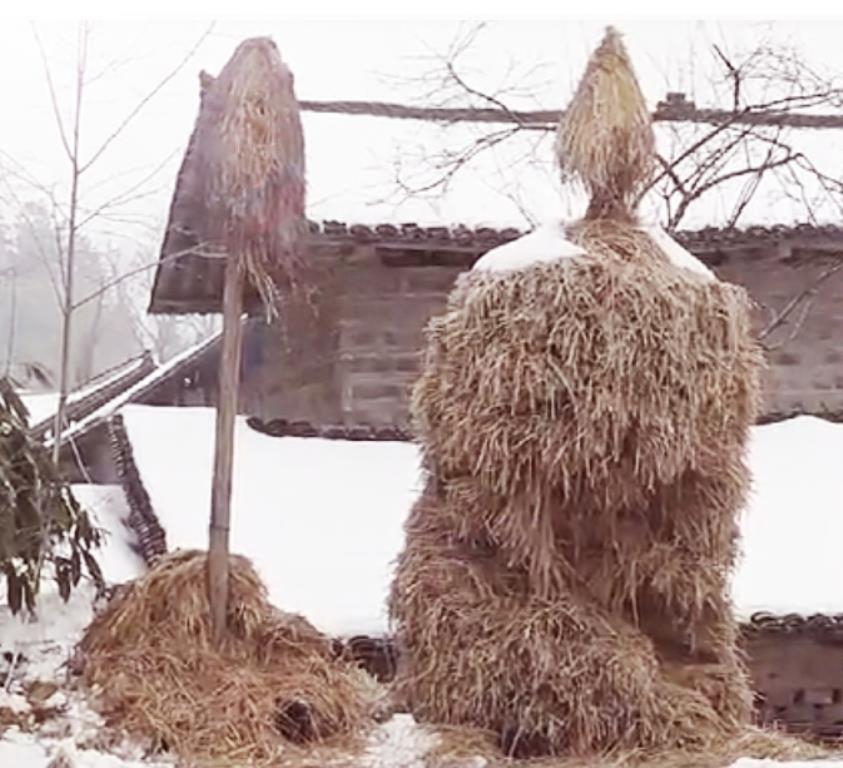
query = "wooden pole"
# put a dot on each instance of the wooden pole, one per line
(229, 381)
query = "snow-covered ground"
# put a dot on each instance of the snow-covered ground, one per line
(751, 762)
(70, 735)
(107, 504)
(19, 749)
(322, 520)
(33, 655)
(54, 638)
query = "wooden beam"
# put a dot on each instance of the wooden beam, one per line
(548, 119)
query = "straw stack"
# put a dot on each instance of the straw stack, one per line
(584, 422)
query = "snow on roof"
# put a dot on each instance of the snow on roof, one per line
(322, 519)
(139, 389)
(42, 405)
(793, 524)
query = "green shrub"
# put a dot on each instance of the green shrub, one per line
(42, 527)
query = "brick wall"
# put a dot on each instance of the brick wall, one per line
(383, 312)
(798, 682)
(805, 355)
(290, 367)
(384, 308)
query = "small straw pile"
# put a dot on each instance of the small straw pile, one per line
(275, 684)
(564, 581)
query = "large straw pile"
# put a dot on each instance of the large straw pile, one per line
(275, 684)
(565, 575)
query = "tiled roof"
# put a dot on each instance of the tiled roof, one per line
(82, 403)
(358, 433)
(193, 284)
(821, 626)
(150, 535)
(488, 237)
(395, 433)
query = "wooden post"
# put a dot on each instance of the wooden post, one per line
(229, 381)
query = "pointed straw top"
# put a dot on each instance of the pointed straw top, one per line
(606, 135)
(255, 189)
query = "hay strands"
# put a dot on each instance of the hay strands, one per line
(273, 688)
(605, 138)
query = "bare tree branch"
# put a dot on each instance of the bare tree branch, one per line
(128, 195)
(494, 101)
(46, 261)
(51, 87)
(196, 251)
(734, 74)
(795, 330)
(146, 99)
(809, 291)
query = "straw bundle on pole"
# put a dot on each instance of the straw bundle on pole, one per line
(605, 139)
(245, 167)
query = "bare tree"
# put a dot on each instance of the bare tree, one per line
(762, 96)
(76, 215)
(164, 335)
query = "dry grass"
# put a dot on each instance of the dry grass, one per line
(606, 136)
(274, 686)
(564, 581)
(600, 388)
(250, 143)
(752, 742)
(460, 744)
(557, 675)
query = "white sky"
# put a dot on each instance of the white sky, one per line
(351, 160)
